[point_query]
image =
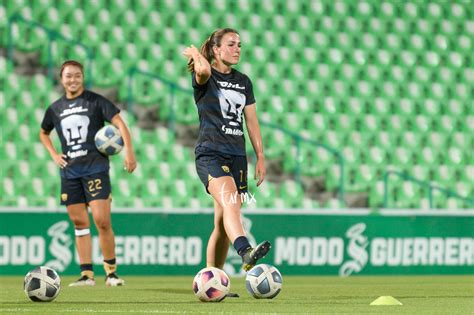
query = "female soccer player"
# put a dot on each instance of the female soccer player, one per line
(85, 182)
(223, 95)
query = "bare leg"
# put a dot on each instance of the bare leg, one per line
(101, 214)
(224, 192)
(218, 244)
(80, 218)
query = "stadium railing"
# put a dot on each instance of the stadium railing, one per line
(429, 185)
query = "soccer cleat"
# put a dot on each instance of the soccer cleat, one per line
(113, 281)
(250, 258)
(232, 295)
(83, 281)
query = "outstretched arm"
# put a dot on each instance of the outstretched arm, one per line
(253, 128)
(130, 162)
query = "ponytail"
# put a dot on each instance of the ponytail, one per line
(206, 47)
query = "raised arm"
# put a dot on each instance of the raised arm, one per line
(253, 128)
(202, 68)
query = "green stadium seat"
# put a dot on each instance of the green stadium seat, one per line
(455, 156)
(381, 68)
(395, 123)
(167, 173)
(364, 177)
(431, 108)
(453, 203)
(468, 173)
(291, 190)
(376, 156)
(468, 124)
(333, 176)
(356, 138)
(410, 140)
(444, 175)
(181, 192)
(465, 43)
(421, 124)
(420, 172)
(402, 158)
(427, 156)
(463, 189)
(408, 59)
(437, 140)
(334, 204)
(407, 108)
(292, 121)
(309, 203)
(9, 192)
(384, 140)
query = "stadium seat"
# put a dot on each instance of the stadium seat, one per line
(389, 83)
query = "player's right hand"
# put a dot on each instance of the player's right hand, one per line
(190, 52)
(60, 160)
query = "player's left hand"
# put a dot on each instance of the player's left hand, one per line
(130, 163)
(260, 171)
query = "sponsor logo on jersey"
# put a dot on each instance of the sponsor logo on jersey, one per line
(69, 111)
(232, 131)
(230, 85)
(76, 154)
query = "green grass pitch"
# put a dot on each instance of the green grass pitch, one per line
(300, 295)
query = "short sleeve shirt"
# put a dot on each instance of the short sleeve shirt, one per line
(220, 102)
(76, 122)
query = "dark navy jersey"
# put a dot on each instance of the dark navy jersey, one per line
(220, 102)
(77, 121)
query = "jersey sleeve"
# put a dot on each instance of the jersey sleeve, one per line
(109, 110)
(250, 97)
(48, 124)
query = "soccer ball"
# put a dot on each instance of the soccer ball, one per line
(42, 284)
(211, 285)
(108, 140)
(263, 281)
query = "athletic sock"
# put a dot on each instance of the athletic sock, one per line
(110, 266)
(241, 243)
(87, 270)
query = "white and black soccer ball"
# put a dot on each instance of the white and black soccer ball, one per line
(263, 281)
(42, 284)
(108, 140)
(211, 285)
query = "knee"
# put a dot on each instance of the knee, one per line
(103, 225)
(80, 223)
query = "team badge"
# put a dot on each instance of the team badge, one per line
(225, 168)
(63, 197)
